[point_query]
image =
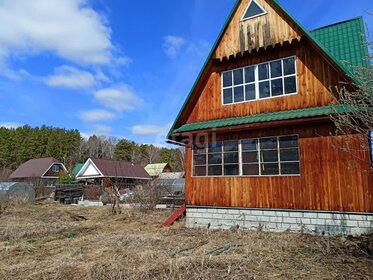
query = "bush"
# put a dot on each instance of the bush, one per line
(145, 197)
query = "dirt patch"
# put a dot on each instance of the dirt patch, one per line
(49, 242)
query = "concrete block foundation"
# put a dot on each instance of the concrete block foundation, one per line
(276, 220)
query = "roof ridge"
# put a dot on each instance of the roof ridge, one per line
(337, 23)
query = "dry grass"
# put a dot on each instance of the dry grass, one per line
(51, 242)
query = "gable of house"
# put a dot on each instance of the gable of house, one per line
(265, 38)
(89, 170)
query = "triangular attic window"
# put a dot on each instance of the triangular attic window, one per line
(253, 10)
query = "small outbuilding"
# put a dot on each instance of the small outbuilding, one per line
(156, 169)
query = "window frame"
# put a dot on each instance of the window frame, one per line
(259, 163)
(54, 167)
(262, 14)
(257, 81)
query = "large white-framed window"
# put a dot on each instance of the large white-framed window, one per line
(271, 79)
(268, 156)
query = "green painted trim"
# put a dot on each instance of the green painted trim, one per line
(268, 117)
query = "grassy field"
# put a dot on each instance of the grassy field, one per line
(50, 241)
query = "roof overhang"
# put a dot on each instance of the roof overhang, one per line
(260, 121)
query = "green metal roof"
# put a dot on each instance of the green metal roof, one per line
(346, 41)
(314, 36)
(267, 117)
(76, 169)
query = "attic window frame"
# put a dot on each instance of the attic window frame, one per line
(257, 81)
(55, 168)
(248, 6)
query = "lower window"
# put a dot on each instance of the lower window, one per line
(269, 156)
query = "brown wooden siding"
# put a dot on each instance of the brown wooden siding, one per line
(331, 179)
(262, 31)
(315, 76)
(50, 172)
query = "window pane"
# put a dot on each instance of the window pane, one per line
(250, 169)
(276, 69)
(268, 143)
(200, 171)
(215, 170)
(250, 74)
(263, 71)
(277, 89)
(227, 79)
(250, 92)
(231, 170)
(215, 147)
(231, 157)
(270, 169)
(215, 159)
(288, 141)
(290, 85)
(253, 10)
(289, 66)
(238, 94)
(269, 156)
(199, 149)
(238, 77)
(249, 144)
(264, 91)
(289, 155)
(230, 146)
(228, 96)
(199, 159)
(248, 157)
(290, 168)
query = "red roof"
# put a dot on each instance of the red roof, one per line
(122, 169)
(34, 168)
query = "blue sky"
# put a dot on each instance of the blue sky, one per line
(118, 68)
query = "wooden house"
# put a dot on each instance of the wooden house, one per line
(122, 173)
(39, 171)
(261, 149)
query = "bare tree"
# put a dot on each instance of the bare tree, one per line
(357, 103)
(153, 154)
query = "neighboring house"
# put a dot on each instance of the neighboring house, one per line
(157, 169)
(120, 172)
(40, 171)
(261, 148)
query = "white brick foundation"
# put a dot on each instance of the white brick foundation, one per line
(329, 223)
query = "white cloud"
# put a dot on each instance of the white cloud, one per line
(172, 45)
(146, 129)
(10, 125)
(97, 115)
(70, 29)
(71, 77)
(102, 130)
(119, 98)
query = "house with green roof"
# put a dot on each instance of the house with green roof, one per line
(261, 148)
